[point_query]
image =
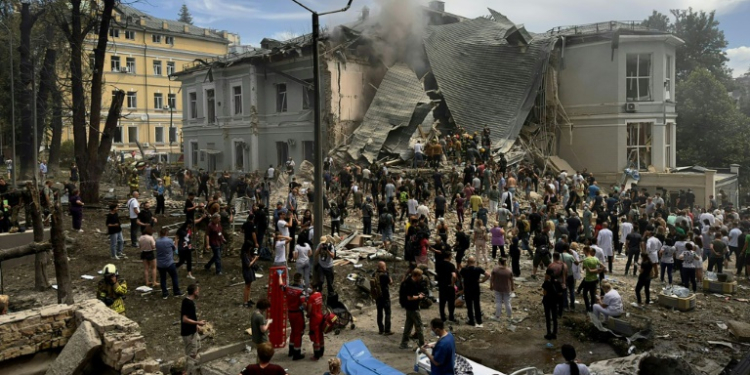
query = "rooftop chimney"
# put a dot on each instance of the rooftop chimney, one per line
(164, 25)
(186, 28)
(142, 21)
(206, 32)
(437, 5)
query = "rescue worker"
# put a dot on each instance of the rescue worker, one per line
(315, 313)
(133, 181)
(111, 289)
(295, 302)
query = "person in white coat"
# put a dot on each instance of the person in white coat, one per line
(605, 241)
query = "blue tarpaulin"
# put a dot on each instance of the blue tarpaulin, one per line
(357, 360)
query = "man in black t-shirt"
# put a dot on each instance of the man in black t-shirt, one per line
(473, 276)
(440, 203)
(383, 303)
(114, 230)
(633, 243)
(189, 328)
(190, 208)
(441, 249)
(446, 279)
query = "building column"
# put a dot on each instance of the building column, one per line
(710, 187)
(658, 143)
(254, 120)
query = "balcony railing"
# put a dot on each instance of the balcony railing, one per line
(601, 27)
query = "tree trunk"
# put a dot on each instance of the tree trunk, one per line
(41, 282)
(26, 137)
(57, 125)
(89, 150)
(22, 251)
(47, 83)
(64, 292)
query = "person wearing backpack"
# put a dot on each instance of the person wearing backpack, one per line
(379, 285)
(367, 212)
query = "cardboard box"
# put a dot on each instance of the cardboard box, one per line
(682, 304)
(714, 286)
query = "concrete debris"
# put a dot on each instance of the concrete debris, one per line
(643, 364)
(740, 330)
(77, 353)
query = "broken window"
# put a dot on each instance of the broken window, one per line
(237, 97)
(282, 152)
(308, 95)
(668, 81)
(281, 97)
(638, 77)
(239, 155)
(211, 106)
(193, 154)
(639, 145)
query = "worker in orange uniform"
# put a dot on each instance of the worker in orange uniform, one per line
(315, 313)
(295, 302)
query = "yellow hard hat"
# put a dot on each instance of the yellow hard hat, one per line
(109, 269)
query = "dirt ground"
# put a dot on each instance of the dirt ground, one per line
(684, 334)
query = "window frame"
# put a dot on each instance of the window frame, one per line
(137, 133)
(644, 143)
(210, 110)
(282, 152)
(131, 98)
(157, 64)
(170, 68)
(156, 135)
(156, 38)
(115, 138)
(638, 77)
(669, 84)
(169, 40)
(193, 105)
(158, 100)
(172, 101)
(282, 104)
(238, 149)
(308, 95)
(115, 60)
(130, 34)
(114, 32)
(235, 102)
(194, 153)
(130, 64)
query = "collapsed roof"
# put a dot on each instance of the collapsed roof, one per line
(487, 71)
(392, 109)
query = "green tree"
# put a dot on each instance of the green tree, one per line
(704, 44)
(658, 21)
(185, 15)
(711, 131)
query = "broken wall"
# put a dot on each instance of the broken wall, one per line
(30, 331)
(350, 92)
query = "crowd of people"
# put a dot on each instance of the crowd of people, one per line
(471, 222)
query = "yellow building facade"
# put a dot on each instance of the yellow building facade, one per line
(143, 51)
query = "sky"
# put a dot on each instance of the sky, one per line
(254, 20)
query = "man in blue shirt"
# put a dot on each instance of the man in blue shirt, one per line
(443, 357)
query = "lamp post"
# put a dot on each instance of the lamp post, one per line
(318, 129)
(12, 107)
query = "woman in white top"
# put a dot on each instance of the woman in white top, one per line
(666, 256)
(570, 367)
(610, 304)
(688, 266)
(279, 258)
(302, 253)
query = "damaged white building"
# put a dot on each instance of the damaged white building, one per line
(598, 96)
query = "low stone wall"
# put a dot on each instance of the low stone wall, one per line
(29, 331)
(122, 346)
